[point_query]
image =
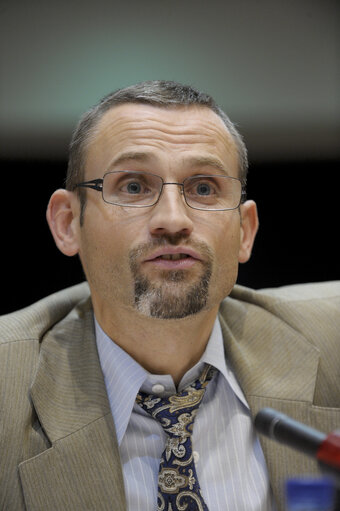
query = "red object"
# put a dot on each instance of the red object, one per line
(329, 450)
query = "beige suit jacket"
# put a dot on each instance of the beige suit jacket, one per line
(58, 448)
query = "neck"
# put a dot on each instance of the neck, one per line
(160, 346)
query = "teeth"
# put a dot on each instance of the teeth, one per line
(173, 257)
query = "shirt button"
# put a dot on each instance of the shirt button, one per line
(158, 388)
(196, 456)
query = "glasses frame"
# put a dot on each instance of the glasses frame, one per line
(97, 184)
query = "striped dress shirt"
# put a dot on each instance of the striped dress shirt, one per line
(229, 461)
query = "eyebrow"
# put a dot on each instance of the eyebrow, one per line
(207, 161)
(193, 161)
(131, 155)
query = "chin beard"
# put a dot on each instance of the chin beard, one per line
(170, 299)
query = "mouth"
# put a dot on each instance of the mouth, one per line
(173, 258)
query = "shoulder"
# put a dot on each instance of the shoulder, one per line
(32, 322)
(311, 309)
(319, 291)
(289, 298)
(21, 335)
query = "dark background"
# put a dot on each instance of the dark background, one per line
(272, 65)
(298, 239)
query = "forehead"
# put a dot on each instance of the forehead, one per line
(175, 132)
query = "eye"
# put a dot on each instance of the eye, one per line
(203, 189)
(134, 187)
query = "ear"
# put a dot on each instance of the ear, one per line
(249, 227)
(63, 221)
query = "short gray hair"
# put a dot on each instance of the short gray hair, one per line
(158, 93)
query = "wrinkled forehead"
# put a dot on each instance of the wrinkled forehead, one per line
(168, 130)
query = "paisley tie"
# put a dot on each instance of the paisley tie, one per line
(178, 486)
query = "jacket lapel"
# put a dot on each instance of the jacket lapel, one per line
(276, 367)
(82, 469)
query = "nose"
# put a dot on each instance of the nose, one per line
(170, 215)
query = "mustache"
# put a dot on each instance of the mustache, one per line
(142, 250)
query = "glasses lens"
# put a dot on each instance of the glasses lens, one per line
(128, 188)
(212, 192)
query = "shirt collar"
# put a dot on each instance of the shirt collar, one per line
(215, 355)
(124, 376)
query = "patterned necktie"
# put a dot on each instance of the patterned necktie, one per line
(178, 486)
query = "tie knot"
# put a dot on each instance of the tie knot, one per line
(177, 413)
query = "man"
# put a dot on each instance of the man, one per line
(155, 207)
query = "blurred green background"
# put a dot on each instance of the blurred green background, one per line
(273, 65)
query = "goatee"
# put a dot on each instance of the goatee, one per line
(171, 297)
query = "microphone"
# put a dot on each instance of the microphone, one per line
(284, 429)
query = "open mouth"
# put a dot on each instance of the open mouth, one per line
(173, 257)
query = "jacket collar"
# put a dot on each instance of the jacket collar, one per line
(271, 359)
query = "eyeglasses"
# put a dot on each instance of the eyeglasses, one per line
(141, 189)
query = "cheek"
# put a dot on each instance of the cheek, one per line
(227, 255)
(226, 244)
(226, 237)
(107, 235)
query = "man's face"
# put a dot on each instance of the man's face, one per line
(167, 260)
